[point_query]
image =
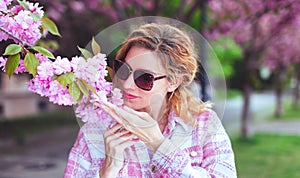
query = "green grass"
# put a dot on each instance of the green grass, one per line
(19, 128)
(268, 156)
(290, 112)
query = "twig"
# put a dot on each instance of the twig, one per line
(16, 38)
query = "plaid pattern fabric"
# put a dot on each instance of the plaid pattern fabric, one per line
(201, 151)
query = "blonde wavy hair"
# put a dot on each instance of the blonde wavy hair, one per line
(176, 51)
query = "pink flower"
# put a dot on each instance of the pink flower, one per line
(16, 9)
(87, 69)
(61, 65)
(74, 62)
(40, 86)
(45, 70)
(3, 6)
(117, 97)
(59, 94)
(22, 26)
(2, 62)
(21, 68)
(101, 96)
(100, 59)
(87, 113)
(7, 2)
(35, 9)
(3, 36)
(41, 57)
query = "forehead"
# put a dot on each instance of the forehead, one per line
(142, 58)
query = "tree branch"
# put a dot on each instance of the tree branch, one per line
(16, 38)
(197, 4)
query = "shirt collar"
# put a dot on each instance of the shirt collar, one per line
(174, 120)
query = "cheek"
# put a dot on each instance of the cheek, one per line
(157, 94)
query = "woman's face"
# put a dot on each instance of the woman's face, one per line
(138, 99)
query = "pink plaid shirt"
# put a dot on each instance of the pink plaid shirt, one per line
(202, 151)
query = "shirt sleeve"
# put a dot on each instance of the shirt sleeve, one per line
(216, 152)
(80, 162)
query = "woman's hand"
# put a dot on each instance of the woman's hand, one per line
(116, 140)
(140, 124)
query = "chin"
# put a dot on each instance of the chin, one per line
(134, 106)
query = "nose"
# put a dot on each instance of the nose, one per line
(128, 83)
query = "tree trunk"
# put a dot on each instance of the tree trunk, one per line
(278, 90)
(202, 77)
(247, 90)
(246, 116)
(297, 87)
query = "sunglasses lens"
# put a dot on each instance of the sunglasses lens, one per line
(122, 70)
(143, 80)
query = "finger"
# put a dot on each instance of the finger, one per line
(113, 114)
(112, 130)
(129, 120)
(121, 133)
(119, 140)
(124, 115)
(117, 136)
(97, 104)
(128, 143)
(120, 115)
(142, 115)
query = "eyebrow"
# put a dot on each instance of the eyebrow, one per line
(146, 70)
(150, 72)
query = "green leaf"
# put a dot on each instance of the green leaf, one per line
(85, 52)
(110, 74)
(12, 49)
(66, 78)
(80, 97)
(43, 51)
(31, 63)
(89, 87)
(23, 4)
(95, 47)
(35, 17)
(12, 64)
(83, 88)
(54, 77)
(74, 91)
(50, 25)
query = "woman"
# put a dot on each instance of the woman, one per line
(162, 130)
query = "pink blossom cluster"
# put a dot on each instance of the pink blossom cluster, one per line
(92, 70)
(237, 18)
(19, 24)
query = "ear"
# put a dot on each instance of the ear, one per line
(174, 85)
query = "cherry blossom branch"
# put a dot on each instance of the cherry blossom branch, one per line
(16, 38)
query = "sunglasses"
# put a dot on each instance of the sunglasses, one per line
(143, 79)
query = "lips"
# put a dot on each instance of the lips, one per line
(128, 96)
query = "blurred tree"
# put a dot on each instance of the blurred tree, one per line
(252, 24)
(228, 52)
(282, 52)
(297, 86)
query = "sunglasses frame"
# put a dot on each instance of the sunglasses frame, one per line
(136, 76)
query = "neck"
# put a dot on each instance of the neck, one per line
(158, 112)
